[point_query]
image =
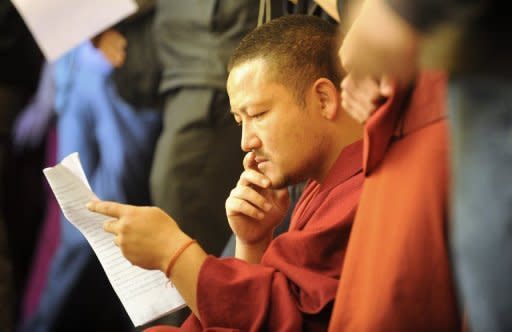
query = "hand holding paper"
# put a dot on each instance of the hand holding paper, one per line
(146, 295)
(146, 235)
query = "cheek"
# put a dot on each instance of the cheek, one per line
(278, 143)
(285, 148)
(281, 136)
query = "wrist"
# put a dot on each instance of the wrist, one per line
(177, 254)
(174, 244)
(259, 243)
(253, 251)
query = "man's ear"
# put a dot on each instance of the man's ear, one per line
(328, 97)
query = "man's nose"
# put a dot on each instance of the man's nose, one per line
(249, 139)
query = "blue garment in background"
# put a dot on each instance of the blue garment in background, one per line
(115, 143)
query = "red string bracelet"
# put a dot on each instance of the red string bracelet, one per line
(177, 254)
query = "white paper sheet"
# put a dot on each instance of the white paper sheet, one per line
(146, 295)
(60, 25)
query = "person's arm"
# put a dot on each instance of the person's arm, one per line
(296, 280)
(149, 238)
(232, 293)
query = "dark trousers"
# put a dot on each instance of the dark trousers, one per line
(197, 162)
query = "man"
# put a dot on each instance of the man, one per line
(286, 100)
(469, 39)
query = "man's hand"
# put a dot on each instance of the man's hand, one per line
(361, 96)
(146, 235)
(252, 208)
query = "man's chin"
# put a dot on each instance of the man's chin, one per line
(279, 182)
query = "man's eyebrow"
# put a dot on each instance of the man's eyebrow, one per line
(241, 110)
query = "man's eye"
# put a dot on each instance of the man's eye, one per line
(259, 115)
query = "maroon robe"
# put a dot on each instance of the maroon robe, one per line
(294, 286)
(397, 274)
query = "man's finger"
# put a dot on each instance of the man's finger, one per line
(111, 226)
(117, 241)
(111, 209)
(250, 195)
(236, 206)
(249, 162)
(252, 177)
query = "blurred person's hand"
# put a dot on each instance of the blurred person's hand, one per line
(253, 208)
(380, 43)
(361, 96)
(112, 44)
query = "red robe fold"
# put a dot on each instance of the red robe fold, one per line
(396, 273)
(294, 286)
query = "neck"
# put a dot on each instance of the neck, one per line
(347, 131)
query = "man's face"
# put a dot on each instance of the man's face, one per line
(284, 135)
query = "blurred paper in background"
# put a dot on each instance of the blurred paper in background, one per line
(60, 25)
